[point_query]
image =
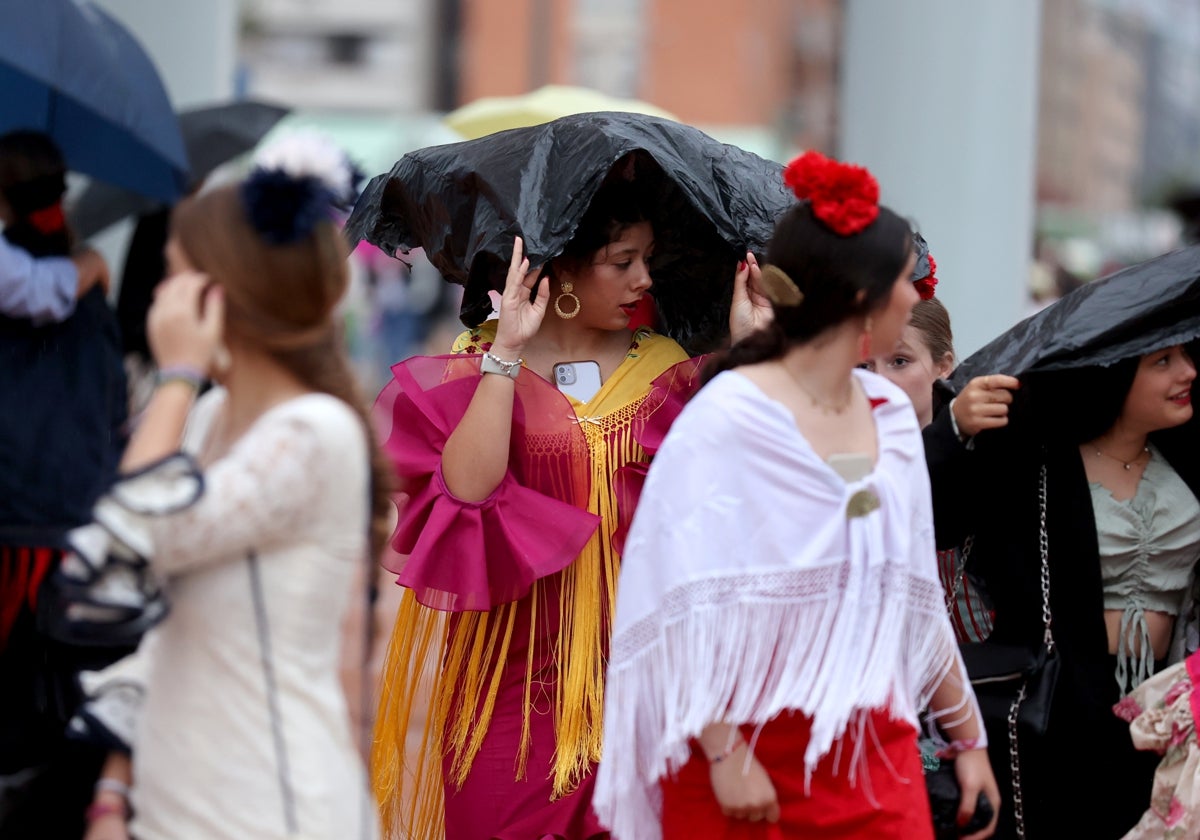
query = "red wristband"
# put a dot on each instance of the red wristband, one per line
(961, 745)
(103, 809)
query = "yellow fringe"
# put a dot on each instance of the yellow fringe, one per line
(526, 701)
(586, 608)
(459, 671)
(464, 754)
(407, 679)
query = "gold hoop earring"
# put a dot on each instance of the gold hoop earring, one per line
(567, 287)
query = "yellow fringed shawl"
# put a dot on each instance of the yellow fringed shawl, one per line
(472, 648)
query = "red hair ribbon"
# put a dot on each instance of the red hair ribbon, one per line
(843, 196)
(927, 285)
(48, 220)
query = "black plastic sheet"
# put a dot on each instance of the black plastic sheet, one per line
(464, 202)
(921, 253)
(1137, 310)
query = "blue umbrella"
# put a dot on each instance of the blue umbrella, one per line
(70, 70)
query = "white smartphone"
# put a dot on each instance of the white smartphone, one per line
(580, 380)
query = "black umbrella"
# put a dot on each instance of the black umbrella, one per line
(213, 135)
(464, 202)
(1137, 310)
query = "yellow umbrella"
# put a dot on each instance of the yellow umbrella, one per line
(490, 114)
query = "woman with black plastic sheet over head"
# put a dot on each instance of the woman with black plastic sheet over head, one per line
(1108, 429)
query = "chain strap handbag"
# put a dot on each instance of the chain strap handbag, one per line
(1014, 684)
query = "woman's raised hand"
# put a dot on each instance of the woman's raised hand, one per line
(983, 404)
(186, 321)
(750, 310)
(519, 316)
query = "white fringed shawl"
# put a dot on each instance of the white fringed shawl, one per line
(747, 590)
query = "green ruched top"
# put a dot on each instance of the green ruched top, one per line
(1149, 545)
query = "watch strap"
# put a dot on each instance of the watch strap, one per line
(491, 363)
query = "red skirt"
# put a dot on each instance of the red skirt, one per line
(891, 801)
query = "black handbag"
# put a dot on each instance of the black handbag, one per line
(1000, 674)
(944, 795)
(1014, 684)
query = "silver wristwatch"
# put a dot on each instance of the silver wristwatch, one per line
(494, 364)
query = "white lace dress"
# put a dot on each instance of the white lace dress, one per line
(244, 730)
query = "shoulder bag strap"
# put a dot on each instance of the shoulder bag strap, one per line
(1014, 753)
(1044, 549)
(960, 568)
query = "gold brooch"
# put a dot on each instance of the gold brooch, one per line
(861, 503)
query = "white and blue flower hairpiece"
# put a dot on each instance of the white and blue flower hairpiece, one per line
(298, 181)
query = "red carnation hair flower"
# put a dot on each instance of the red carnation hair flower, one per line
(843, 196)
(927, 285)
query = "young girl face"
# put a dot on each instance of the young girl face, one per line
(1161, 394)
(911, 367)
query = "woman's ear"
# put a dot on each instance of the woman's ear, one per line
(944, 367)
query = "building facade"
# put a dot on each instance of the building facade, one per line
(351, 55)
(763, 71)
(1090, 107)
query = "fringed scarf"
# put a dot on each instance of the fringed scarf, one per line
(758, 580)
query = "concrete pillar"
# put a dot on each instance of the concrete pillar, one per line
(939, 100)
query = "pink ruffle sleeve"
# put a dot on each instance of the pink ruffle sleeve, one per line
(668, 394)
(457, 555)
